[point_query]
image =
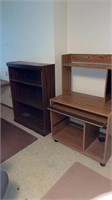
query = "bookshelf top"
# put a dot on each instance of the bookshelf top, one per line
(27, 65)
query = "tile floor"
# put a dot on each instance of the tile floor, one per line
(35, 169)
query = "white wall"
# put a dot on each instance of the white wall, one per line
(28, 31)
(89, 31)
(43, 30)
(60, 39)
(28, 34)
(89, 25)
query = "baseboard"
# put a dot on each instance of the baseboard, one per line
(7, 106)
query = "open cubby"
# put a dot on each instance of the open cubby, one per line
(28, 115)
(21, 92)
(32, 86)
(92, 113)
(93, 146)
(31, 77)
(63, 125)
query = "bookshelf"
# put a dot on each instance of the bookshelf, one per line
(32, 86)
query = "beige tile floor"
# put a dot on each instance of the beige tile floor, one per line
(35, 169)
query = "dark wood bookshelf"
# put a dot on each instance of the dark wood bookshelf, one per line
(32, 86)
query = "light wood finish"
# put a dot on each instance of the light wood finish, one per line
(84, 102)
(66, 74)
(90, 111)
(91, 58)
(74, 139)
(89, 65)
(79, 114)
(87, 141)
(95, 61)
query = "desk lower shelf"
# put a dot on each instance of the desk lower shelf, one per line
(73, 137)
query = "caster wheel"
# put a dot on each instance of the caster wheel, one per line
(55, 140)
(103, 165)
